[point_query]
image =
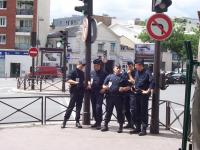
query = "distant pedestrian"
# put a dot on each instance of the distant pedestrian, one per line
(76, 81)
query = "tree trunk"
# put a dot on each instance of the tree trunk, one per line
(196, 111)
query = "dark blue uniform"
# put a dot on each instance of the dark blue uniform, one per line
(97, 78)
(129, 99)
(76, 94)
(143, 81)
(114, 98)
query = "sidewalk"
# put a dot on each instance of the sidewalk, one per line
(52, 137)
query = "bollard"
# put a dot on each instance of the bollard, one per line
(168, 114)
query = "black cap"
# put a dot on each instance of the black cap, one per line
(97, 61)
(129, 63)
(139, 61)
(82, 62)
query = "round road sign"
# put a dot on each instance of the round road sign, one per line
(85, 29)
(159, 26)
(33, 52)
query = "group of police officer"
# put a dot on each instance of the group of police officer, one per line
(127, 91)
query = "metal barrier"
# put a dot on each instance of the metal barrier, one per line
(4, 101)
(40, 83)
(50, 113)
(169, 112)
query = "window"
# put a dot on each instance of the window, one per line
(112, 46)
(100, 47)
(2, 39)
(2, 21)
(3, 4)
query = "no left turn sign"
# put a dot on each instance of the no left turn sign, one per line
(159, 26)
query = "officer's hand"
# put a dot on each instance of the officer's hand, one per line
(121, 89)
(102, 91)
(145, 91)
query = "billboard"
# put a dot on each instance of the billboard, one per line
(145, 51)
(52, 59)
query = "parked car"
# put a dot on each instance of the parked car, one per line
(46, 71)
(176, 78)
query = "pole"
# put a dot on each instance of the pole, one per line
(187, 94)
(86, 104)
(33, 44)
(64, 62)
(154, 128)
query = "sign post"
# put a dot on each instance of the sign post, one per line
(33, 52)
(159, 27)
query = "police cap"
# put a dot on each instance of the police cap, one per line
(139, 61)
(97, 61)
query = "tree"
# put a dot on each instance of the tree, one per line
(196, 110)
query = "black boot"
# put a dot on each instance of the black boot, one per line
(142, 133)
(64, 123)
(120, 128)
(105, 128)
(78, 125)
(127, 126)
(98, 127)
(136, 130)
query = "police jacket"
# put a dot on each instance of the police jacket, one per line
(77, 75)
(114, 82)
(143, 80)
(97, 80)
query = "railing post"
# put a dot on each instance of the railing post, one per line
(168, 114)
(40, 84)
(24, 83)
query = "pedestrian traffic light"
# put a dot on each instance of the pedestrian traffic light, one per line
(163, 81)
(160, 6)
(86, 9)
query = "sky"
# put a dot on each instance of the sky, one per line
(124, 9)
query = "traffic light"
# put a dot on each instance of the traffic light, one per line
(163, 81)
(63, 36)
(160, 6)
(86, 9)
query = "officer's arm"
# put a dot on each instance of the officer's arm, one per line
(105, 84)
(70, 79)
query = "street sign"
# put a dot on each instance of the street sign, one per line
(93, 30)
(33, 52)
(159, 27)
(85, 29)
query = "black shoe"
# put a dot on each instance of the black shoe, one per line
(142, 133)
(78, 125)
(98, 127)
(135, 131)
(63, 125)
(120, 129)
(105, 128)
(127, 126)
(94, 125)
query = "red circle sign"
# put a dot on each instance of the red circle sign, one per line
(159, 26)
(33, 52)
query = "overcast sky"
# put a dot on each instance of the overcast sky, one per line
(125, 9)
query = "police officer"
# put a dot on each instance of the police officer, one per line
(142, 89)
(129, 96)
(112, 84)
(76, 81)
(97, 78)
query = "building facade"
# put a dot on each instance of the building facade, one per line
(18, 18)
